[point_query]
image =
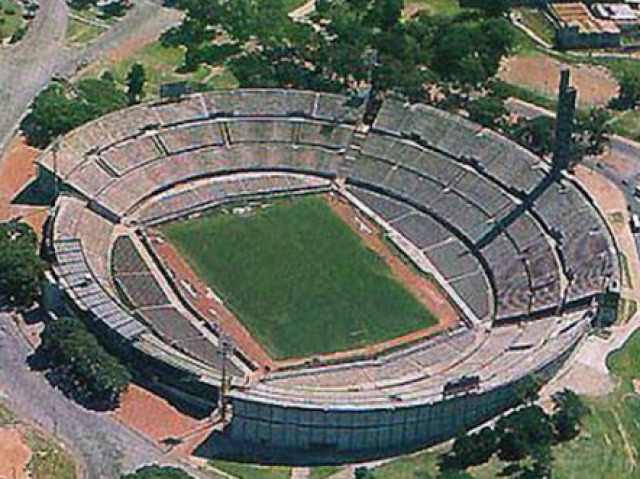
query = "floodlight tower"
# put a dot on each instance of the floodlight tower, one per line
(565, 114)
(225, 351)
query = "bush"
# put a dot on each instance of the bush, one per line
(55, 111)
(157, 472)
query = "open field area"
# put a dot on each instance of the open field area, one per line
(299, 279)
(10, 18)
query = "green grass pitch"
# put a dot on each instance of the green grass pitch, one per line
(299, 279)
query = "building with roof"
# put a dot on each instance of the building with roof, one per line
(577, 27)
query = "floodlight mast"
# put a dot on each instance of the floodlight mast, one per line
(226, 348)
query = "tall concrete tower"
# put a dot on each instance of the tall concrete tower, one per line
(565, 114)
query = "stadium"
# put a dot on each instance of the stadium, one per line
(519, 259)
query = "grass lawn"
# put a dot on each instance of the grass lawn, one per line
(85, 25)
(322, 472)
(49, 460)
(10, 18)
(627, 123)
(300, 280)
(538, 23)
(79, 31)
(160, 64)
(250, 471)
(437, 7)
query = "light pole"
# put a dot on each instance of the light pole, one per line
(226, 349)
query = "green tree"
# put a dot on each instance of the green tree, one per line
(487, 111)
(471, 450)
(135, 83)
(469, 52)
(536, 134)
(157, 472)
(595, 131)
(68, 348)
(568, 412)
(628, 92)
(521, 431)
(21, 269)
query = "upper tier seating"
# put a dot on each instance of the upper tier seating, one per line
(514, 167)
(586, 247)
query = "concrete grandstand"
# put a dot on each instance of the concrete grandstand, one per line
(518, 247)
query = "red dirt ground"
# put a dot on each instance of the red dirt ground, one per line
(156, 419)
(425, 290)
(16, 170)
(595, 85)
(14, 454)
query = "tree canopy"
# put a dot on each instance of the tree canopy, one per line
(135, 83)
(629, 91)
(488, 111)
(347, 44)
(60, 108)
(21, 269)
(68, 348)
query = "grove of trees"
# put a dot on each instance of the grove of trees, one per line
(63, 106)
(21, 269)
(522, 438)
(347, 45)
(76, 359)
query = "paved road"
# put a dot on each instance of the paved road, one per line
(27, 67)
(106, 447)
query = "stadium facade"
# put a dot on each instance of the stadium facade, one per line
(516, 244)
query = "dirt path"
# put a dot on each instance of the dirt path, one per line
(628, 448)
(159, 421)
